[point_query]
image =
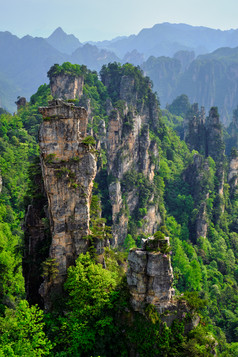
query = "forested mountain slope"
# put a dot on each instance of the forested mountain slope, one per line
(187, 189)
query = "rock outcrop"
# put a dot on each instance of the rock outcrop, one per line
(150, 278)
(131, 152)
(21, 102)
(194, 129)
(150, 275)
(199, 176)
(205, 135)
(233, 172)
(66, 86)
(68, 164)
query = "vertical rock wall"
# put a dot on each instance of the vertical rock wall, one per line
(233, 173)
(130, 149)
(66, 86)
(150, 276)
(68, 167)
(206, 136)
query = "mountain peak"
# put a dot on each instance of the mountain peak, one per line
(63, 42)
(58, 32)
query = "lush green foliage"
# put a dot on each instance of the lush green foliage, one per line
(179, 106)
(111, 77)
(95, 317)
(73, 70)
(91, 296)
(21, 332)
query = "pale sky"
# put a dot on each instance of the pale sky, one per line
(95, 20)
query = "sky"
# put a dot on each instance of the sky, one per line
(96, 20)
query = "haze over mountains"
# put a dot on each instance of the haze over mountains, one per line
(177, 57)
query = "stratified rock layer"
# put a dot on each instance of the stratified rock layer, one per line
(66, 86)
(68, 167)
(150, 276)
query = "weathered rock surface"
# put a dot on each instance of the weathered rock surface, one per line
(233, 174)
(21, 102)
(197, 176)
(150, 276)
(68, 167)
(205, 135)
(214, 136)
(66, 86)
(130, 148)
(194, 129)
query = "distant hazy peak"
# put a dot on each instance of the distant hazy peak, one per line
(58, 32)
(63, 42)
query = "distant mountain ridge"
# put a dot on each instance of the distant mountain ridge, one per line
(24, 62)
(166, 52)
(166, 39)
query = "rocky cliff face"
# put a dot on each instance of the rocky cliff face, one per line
(130, 154)
(199, 177)
(150, 276)
(21, 102)
(233, 173)
(66, 86)
(205, 135)
(68, 164)
(194, 129)
(214, 136)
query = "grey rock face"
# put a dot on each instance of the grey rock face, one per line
(130, 149)
(69, 168)
(233, 174)
(21, 102)
(66, 87)
(150, 276)
(202, 221)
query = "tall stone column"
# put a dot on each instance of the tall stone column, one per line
(68, 164)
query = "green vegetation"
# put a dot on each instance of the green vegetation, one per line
(95, 317)
(111, 77)
(73, 70)
(22, 332)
